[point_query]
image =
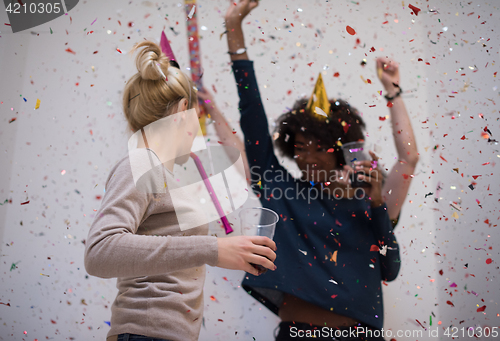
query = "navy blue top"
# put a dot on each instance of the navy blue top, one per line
(311, 231)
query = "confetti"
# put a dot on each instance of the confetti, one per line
(190, 15)
(415, 9)
(350, 30)
(37, 105)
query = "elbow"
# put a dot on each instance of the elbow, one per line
(391, 277)
(92, 264)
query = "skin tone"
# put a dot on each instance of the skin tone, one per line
(393, 192)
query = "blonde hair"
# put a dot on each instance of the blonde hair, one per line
(148, 96)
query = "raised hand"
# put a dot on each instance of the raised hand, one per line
(388, 73)
(237, 11)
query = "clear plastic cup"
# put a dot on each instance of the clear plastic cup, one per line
(258, 221)
(356, 151)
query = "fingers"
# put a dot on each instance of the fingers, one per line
(255, 259)
(250, 269)
(265, 251)
(264, 241)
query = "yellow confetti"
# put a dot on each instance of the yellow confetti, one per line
(379, 73)
(37, 104)
(334, 257)
(455, 215)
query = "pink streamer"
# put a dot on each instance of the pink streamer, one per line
(210, 189)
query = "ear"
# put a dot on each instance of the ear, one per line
(183, 105)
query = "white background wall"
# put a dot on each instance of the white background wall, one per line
(59, 156)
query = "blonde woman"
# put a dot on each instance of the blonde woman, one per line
(136, 235)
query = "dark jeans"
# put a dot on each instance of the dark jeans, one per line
(297, 331)
(135, 337)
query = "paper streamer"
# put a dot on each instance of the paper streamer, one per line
(210, 190)
(194, 52)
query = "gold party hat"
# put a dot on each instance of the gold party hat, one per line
(319, 99)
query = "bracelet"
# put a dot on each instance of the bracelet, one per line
(387, 97)
(238, 51)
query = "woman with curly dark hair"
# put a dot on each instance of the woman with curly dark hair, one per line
(334, 247)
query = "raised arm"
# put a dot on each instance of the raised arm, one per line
(234, 18)
(398, 181)
(258, 142)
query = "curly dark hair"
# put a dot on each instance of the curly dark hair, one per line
(327, 130)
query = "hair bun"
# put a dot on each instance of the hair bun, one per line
(151, 62)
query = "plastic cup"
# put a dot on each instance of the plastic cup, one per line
(356, 151)
(258, 221)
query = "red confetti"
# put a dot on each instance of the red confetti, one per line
(415, 9)
(389, 104)
(12, 119)
(442, 158)
(117, 49)
(441, 272)
(53, 322)
(481, 308)
(311, 63)
(95, 52)
(213, 298)
(350, 30)
(26, 202)
(333, 296)
(369, 81)
(70, 50)
(98, 197)
(462, 138)
(330, 150)
(374, 248)
(382, 118)
(489, 261)
(450, 303)
(224, 278)
(336, 74)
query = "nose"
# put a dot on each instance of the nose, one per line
(310, 158)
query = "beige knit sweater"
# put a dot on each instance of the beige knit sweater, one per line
(135, 237)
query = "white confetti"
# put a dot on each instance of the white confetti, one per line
(319, 111)
(383, 250)
(332, 281)
(304, 252)
(190, 15)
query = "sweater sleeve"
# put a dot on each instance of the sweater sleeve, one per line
(381, 225)
(113, 249)
(258, 142)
